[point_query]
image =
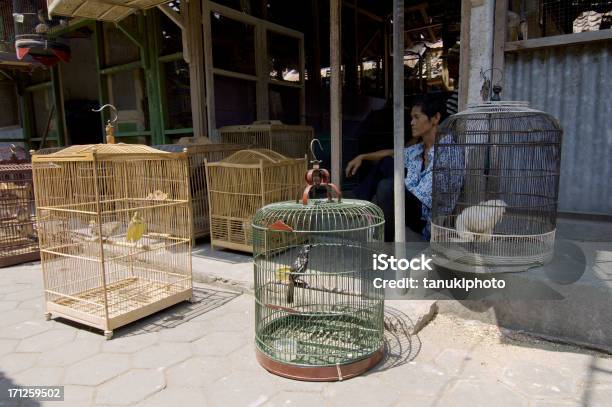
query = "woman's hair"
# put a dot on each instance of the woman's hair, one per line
(431, 104)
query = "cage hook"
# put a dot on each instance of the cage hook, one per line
(314, 156)
(496, 87)
(110, 124)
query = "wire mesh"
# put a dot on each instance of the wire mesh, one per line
(241, 184)
(18, 235)
(314, 303)
(289, 140)
(115, 232)
(495, 186)
(198, 155)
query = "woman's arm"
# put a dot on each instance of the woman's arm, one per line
(355, 163)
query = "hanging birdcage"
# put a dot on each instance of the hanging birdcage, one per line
(287, 139)
(495, 188)
(114, 222)
(198, 155)
(18, 236)
(317, 315)
(32, 29)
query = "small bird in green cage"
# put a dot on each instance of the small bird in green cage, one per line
(135, 229)
(299, 267)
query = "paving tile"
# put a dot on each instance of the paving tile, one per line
(539, 380)
(198, 372)
(25, 329)
(130, 387)
(15, 316)
(46, 341)
(358, 391)
(162, 355)
(220, 344)
(296, 399)
(186, 332)
(130, 344)
(69, 353)
(39, 376)
(36, 304)
(97, 369)
(175, 397)
(77, 396)
(241, 389)
(480, 393)
(598, 396)
(17, 362)
(232, 322)
(23, 295)
(8, 305)
(7, 346)
(415, 378)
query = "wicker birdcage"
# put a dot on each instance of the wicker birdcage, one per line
(18, 236)
(495, 188)
(198, 154)
(115, 232)
(289, 140)
(317, 315)
(241, 184)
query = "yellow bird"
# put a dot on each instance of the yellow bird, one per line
(135, 229)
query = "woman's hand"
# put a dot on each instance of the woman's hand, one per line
(353, 166)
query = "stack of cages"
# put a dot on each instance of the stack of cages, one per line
(495, 188)
(289, 140)
(318, 317)
(115, 232)
(18, 235)
(198, 155)
(241, 184)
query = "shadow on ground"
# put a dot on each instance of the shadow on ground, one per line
(400, 346)
(5, 384)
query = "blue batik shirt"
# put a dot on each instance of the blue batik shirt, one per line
(419, 181)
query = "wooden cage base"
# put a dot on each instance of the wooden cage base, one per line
(320, 373)
(128, 300)
(19, 256)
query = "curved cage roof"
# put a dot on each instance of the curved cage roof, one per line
(254, 156)
(320, 215)
(105, 152)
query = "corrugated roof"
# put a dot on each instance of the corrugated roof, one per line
(104, 10)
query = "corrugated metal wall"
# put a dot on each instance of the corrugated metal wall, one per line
(573, 84)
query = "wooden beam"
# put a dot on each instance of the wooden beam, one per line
(335, 48)
(423, 11)
(58, 100)
(499, 35)
(172, 15)
(398, 121)
(364, 12)
(559, 40)
(208, 70)
(100, 52)
(192, 36)
(262, 74)
(464, 54)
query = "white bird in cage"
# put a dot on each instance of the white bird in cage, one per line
(481, 219)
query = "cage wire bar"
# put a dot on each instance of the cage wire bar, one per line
(292, 141)
(317, 315)
(198, 155)
(115, 232)
(241, 184)
(18, 235)
(495, 188)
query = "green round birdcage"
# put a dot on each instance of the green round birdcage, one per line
(318, 317)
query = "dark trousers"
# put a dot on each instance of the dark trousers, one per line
(377, 187)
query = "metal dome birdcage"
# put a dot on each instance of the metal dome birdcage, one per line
(495, 188)
(317, 317)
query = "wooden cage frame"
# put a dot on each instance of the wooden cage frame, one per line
(290, 140)
(115, 232)
(198, 154)
(18, 237)
(241, 184)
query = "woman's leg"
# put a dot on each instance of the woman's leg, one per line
(384, 199)
(413, 213)
(368, 187)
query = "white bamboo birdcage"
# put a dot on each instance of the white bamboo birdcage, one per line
(115, 232)
(241, 184)
(198, 154)
(289, 140)
(18, 238)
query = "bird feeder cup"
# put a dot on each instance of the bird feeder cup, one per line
(318, 317)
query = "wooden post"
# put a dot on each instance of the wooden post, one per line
(398, 120)
(58, 100)
(335, 46)
(499, 35)
(196, 66)
(208, 71)
(102, 78)
(464, 54)
(315, 70)
(262, 73)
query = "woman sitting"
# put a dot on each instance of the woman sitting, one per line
(377, 187)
